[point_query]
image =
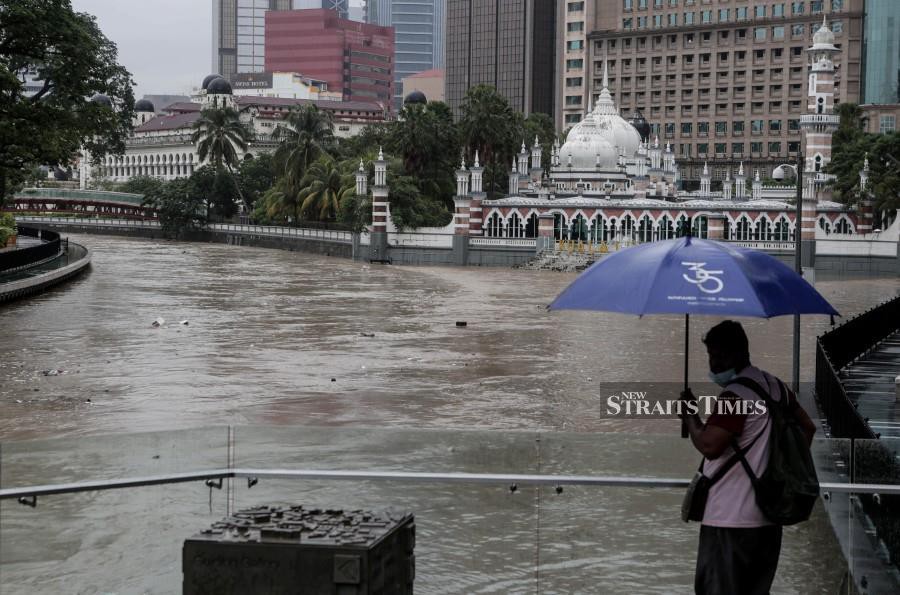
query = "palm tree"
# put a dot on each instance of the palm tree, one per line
(324, 187)
(220, 132)
(305, 134)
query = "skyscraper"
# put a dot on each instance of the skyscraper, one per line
(509, 44)
(882, 52)
(238, 35)
(419, 29)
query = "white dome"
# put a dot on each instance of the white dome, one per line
(823, 38)
(603, 132)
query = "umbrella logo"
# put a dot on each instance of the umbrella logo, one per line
(703, 278)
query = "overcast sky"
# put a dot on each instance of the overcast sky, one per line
(165, 44)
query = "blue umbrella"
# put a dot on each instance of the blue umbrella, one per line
(692, 276)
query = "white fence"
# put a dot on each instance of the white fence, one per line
(509, 242)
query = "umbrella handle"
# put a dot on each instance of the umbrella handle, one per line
(687, 328)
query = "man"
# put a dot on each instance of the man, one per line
(739, 547)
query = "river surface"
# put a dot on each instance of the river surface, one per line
(328, 363)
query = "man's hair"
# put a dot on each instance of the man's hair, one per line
(730, 336)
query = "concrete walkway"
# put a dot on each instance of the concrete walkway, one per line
(870, 385)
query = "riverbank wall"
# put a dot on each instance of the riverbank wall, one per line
(867, 257)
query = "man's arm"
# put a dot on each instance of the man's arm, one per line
(807, 426)
(710, 440)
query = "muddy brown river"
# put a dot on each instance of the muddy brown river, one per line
(315, 362)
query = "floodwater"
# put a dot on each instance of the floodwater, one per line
(327, 363)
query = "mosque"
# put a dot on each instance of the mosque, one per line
(610, 182)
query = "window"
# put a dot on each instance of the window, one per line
(573, 118)
(837, 26)
(628, 4)
(575, 6)
(775, 148)
(774, 125)
(759, 11)
(673, 3)
(574, 81)
(721, 128)
(817, 6)
(756, 147)
(574, 45)
(657, 20)
(737, 148)
(797, 30)
(573, 64)
(778, 10)
(702, 128)
(887, 124)
(673, 19)
(723, 15)
(793, 125)
(794, 147)
(837, 5)
(756, 126)
(642, 22)
(642, 4)
(686, 129)
(737, 127)
(657, 3)
(626, 24)
(778, 32)
(575, 27)
(759, 33)
(688, 18)
(720, 148)
(705, 16)
(796, 7)
(741, 13)
(703, 148)
(670, 129)
(573, 99)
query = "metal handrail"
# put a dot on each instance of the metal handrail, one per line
(507, 479)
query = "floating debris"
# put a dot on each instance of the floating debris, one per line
(158, 322)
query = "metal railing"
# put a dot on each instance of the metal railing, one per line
(840, 347)
(29, 494)
(25, 257)
(82, 195)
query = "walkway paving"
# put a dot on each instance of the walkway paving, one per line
(869, 383)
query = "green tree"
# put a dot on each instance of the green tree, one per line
(74, 62)
(146, 185)
(324, 187)
(539, 126)
(255, 176)
(428, 142)
(219, 133)
(180, 207)
(305, 134)
(489, 125)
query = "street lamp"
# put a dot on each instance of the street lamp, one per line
(779, 174)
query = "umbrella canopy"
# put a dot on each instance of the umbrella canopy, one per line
(692, 276)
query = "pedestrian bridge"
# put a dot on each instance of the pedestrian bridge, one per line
(83, 203)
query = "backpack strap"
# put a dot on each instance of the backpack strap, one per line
(760, 391)
(739, 455)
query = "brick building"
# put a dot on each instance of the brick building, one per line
(354, 58)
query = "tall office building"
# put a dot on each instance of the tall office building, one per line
(342, 7)
(238, 35)
(509, 44)
(419, 33)
(723, 82)
(355, 59)
(881, 71)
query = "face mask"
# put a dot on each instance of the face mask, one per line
(723, 378)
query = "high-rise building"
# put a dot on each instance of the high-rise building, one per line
(342, 7)
(881, 70)
(509, 44)
(419, 34)
(238, 35)
(355, 59)
(724, 82)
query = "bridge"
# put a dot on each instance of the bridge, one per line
(83, 203)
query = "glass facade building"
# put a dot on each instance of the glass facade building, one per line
(238, 34)
(882, 52)
(419, 35)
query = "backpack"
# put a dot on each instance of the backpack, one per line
(788, 489)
